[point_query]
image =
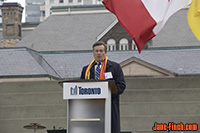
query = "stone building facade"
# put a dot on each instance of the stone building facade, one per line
(118, 39)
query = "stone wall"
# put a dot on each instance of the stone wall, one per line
(5, 43)
(144, 102)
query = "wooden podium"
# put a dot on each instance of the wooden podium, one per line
(88, 105)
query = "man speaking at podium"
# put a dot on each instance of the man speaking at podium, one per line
(102, 68)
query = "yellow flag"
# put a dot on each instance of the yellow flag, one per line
(193, 17)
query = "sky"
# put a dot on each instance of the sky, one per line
(22, 2)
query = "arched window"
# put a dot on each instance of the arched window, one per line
(111, 45)
(134, 47)
(123, 44)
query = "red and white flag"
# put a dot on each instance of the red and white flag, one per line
(143, 19)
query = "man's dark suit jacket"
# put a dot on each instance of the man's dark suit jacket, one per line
(118, 77)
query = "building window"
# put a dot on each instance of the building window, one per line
(43, 13)
(99, 1)
(51, 1)
(70, 1)
(79, 0)
(111, 45)
(134, 47)
(61, 1)
(123, 44)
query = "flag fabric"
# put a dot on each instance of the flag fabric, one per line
(193, 16)
(143, 19)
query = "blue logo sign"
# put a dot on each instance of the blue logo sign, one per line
(73, 91)
(84, 91)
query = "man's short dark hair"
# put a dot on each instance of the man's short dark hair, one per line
(100, 43)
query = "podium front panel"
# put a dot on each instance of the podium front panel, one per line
(88, 106)
(86, 116)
